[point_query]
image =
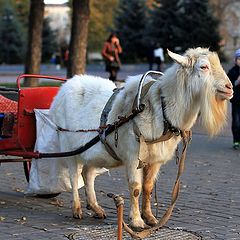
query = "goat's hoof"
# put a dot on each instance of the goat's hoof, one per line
(97, 216)
(77, 214)
(139, 229)
(137, 225)
(100, 214)
(151, 221)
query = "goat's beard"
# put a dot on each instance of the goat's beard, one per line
(213, 114)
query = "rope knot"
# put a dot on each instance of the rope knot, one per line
(118, 200)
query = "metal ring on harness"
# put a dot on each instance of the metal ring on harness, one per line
(138, 107)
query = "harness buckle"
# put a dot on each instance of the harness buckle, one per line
(177, 132)
(116, 134)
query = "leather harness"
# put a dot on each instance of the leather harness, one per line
(168, 132)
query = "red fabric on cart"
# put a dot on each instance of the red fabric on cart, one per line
(7, 105)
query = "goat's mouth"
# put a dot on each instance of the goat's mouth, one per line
(226, 93)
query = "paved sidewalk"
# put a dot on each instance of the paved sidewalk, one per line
(209, 202)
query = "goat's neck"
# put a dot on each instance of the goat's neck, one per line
(181, 109)
(181, 112)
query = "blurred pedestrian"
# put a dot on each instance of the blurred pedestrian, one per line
(58, 61)
(159, 58)
(234, 76)
(66, 57)
(110, 53)
(150, 55)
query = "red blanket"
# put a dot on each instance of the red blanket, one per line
(7, 105)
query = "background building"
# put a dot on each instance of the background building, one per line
(228, 12)
(59, 16)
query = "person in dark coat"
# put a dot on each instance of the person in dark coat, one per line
(234, 76)
(150, 55)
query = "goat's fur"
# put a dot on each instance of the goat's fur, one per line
(196, 85)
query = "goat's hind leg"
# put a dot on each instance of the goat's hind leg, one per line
(149, 177)
(89, 175)
(73, 172)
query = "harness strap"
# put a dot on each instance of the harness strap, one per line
(169, 134)
(167, 124)
(103, 122)
(109, 149)
(143, 148)
(107, 109)
(169, 130)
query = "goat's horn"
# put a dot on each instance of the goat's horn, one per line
(178, 58)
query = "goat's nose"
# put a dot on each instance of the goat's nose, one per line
(229, 85)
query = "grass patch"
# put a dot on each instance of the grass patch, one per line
(9, 85)
(52, 83)
(42, 84)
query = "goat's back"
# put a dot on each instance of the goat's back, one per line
(80, 101)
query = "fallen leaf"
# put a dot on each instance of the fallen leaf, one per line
(9, 174)
(57, 203)
(40, 228)
(19, 190)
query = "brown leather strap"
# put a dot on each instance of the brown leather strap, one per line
(110, 150)
(164, 137)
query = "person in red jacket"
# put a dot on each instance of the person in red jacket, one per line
(110, 53)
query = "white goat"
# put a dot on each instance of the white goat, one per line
(195, 84)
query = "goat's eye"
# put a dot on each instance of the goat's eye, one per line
(204, 67)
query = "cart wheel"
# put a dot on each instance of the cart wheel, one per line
(27, 167)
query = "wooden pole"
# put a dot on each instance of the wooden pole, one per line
(120, 220)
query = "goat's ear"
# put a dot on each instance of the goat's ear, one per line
(182, 60)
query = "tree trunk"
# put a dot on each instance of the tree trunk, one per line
(79, 35)
(34, 48)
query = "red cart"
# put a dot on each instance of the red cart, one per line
(17, 118)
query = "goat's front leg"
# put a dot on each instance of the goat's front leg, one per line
(89, 175)
(149, 177)
(73, 172)
(134, 176)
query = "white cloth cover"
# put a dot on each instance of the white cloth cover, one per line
(49, 175)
